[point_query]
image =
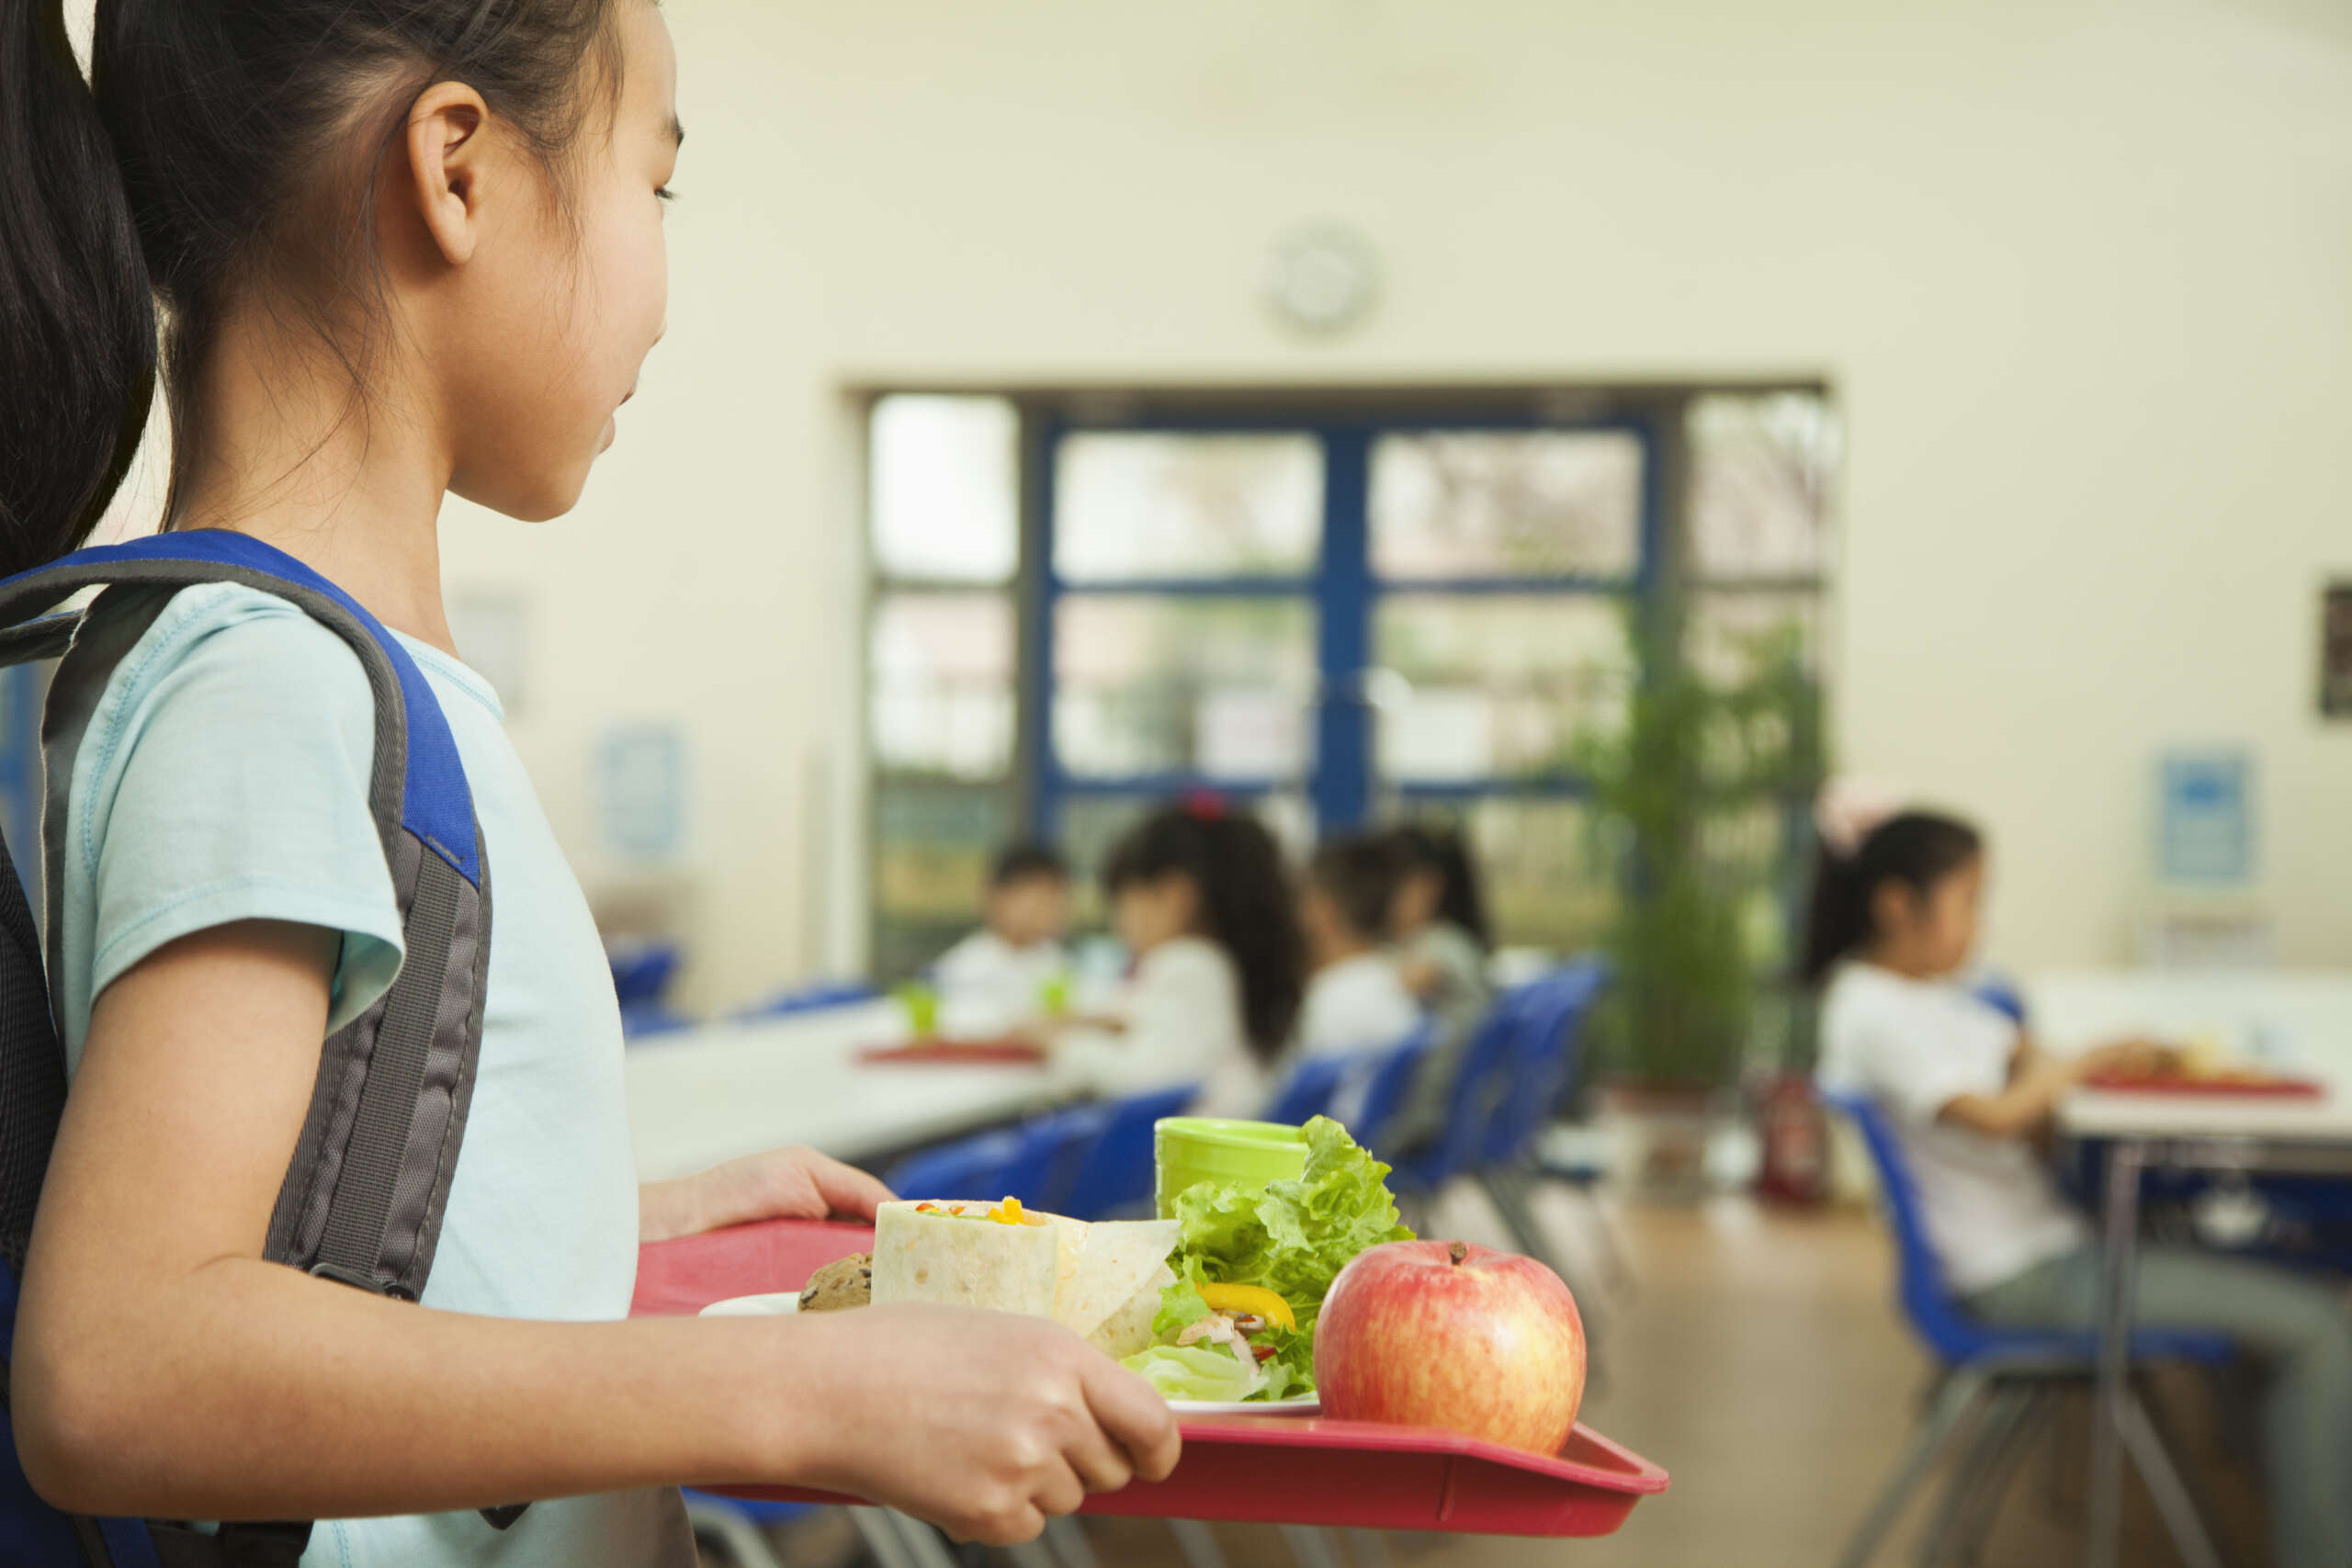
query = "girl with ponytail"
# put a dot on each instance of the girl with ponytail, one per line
(1966, 1094)
(1201, 897)
(402, 249)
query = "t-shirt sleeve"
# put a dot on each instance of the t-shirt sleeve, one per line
(1919, 1059)
(224, 777)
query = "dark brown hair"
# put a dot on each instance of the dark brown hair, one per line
(1917, 848)
(206, 154)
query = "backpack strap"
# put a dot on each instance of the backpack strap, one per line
(364, 1195)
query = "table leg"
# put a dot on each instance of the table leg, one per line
(2125, 1159)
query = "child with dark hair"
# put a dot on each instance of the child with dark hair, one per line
(404, 249)
(1199, 896)
(1438, 920)
(1355, 1000)
(998, 979)
(1893, 920)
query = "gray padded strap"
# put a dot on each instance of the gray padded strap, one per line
(354, 1243)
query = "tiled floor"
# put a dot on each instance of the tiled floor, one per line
(1760, 1362)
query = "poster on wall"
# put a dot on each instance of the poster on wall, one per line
(2205, 826)
(2336, 650)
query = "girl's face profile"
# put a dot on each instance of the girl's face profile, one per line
(569, 304)
(1932, 931)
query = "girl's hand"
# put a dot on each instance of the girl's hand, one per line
(983, 1423)
(778, 1184)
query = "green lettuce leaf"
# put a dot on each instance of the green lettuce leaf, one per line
(1195, 1371)
(1292, 1236)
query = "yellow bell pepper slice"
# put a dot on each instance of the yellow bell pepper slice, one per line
(1252, 1299)
(1007, 1212)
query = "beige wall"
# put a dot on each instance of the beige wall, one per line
(2078, 270)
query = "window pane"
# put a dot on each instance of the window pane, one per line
(933, 841)
(1500, 684)
(1732, 639)
(943, 489)
(1135, 504)
(1460, 503)
(1760, 473)
(940, 683)
(1216, 686)
(1548, 883)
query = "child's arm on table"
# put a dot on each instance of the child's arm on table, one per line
(163, 1368)
(2038, 1081)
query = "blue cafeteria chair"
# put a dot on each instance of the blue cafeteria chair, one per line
(2010, 1379)
(1479, 1085)
(1306, 1091)
(814, 997)
(1037, 1162)
(1388, 1084)
(969, 1167)
(1115, 1178)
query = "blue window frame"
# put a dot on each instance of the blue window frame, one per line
(1345, 592)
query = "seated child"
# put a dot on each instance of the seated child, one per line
(998, 979)
(1893, 920)
(1200, 897)
(1355, 1000)
(1438, 921)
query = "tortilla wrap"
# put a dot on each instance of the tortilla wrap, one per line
(963, 1262)
(1101, 1281)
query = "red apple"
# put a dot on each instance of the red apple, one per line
(1445, 1333)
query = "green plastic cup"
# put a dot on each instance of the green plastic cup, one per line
(1190, 1149)
(923, 1007)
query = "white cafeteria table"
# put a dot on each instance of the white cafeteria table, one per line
(2297, 1023)
(718, 1091)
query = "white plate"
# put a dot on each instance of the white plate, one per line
(782, 1301)
(1302, 1405)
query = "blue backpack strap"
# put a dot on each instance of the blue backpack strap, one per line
(364, 1195)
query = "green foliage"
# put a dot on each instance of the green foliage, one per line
(1691, 752)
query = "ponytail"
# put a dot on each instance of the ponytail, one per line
(77, 321)
(1246, 905)
(1917, 848)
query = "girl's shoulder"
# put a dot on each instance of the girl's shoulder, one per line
(219, 633)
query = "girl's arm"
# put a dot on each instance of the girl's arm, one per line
(792, 1183)
(163, 1368)
(2037, 1082)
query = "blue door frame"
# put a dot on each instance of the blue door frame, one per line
(1344, 591)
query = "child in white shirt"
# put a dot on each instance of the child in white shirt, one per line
(1355, 999)
(1894, 921)
(1000, 977)
(1201, 898)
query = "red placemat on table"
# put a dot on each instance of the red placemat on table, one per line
(1263, 1469)
(957, 1052)
(2233, 1089)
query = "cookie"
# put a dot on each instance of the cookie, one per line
(843, 1283)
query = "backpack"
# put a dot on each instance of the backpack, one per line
(363, 1198)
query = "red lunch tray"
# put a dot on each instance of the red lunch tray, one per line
(956, 1053)
(1261, 1469)
(2230, 1089)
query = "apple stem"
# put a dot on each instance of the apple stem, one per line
(1457, 1252)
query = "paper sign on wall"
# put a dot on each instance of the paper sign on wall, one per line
(2206, 828)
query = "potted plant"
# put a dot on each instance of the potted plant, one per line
(1700, 758)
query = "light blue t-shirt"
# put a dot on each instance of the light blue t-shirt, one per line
(224, 777)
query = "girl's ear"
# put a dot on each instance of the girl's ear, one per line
(1893, 907)
(447, 165)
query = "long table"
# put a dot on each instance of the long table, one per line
(2299, 1024)
(722, 1089)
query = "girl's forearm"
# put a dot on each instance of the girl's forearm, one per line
(249, 1391)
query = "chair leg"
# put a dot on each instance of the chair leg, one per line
(1198, 1543)
(1066, 1539)
(897, 1541)
(2164, 1486)
(1976, 1527)
(1951, 1405)
(1311, 1545)
(2004, 1407)
(733, 1529)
